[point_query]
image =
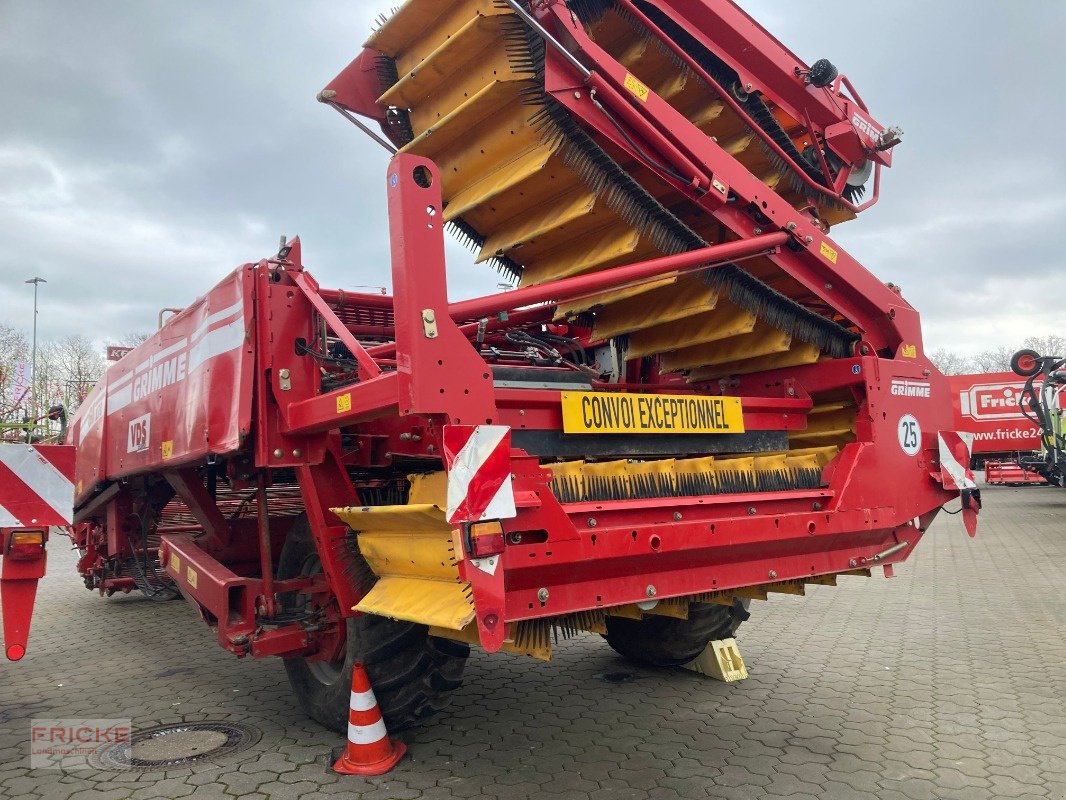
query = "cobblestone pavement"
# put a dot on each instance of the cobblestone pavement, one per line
(947, 681)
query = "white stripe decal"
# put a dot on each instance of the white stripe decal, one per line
(118, 382)
(218, 316)
(215, 343)
(362, 701)
(119, 400)
(367, 734)
(169, 351)
(47, 482)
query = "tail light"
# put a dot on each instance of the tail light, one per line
(25, 545)
(484, 538)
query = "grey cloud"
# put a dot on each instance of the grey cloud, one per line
(150, 147)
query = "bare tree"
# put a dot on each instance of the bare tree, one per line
(14, 347)
(135, 338)
(1050, 345)
(68, 369)
(949, 362)
(994, 360)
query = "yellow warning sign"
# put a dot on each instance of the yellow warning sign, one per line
(829, 252)
(623, 412)
(636, 88)
(191, 576)
(344, 403)
(175, 563)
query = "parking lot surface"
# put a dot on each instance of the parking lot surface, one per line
(947, 681)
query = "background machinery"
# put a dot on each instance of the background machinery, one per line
(1041, 403)
(693, 397)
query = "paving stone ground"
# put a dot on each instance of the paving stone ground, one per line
(947, 681)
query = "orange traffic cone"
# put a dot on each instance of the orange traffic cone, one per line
(370, 751)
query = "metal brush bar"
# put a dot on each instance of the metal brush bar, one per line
(519, 9)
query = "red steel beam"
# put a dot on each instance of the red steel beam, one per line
(582, 285)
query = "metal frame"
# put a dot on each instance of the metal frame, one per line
(417, 371)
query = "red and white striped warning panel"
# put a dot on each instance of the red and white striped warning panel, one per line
(36, 485)
(478, 461)
(955, 450)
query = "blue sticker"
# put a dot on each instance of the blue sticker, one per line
(394, 180)
(855, 369)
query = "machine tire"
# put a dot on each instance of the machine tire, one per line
(412, 673)
(669, 642)
(1025, 363)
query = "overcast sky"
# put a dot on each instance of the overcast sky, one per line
(147, 148)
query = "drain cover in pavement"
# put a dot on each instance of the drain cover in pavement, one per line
(175, 746)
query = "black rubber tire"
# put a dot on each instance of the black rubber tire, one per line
(413, 674)
(1025, 363)
(669, 642)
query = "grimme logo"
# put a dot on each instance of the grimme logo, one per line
(140, 431)
(865, 126)
(990, 401)
(902, 388)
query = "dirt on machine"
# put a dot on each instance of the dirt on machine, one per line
(692, 397)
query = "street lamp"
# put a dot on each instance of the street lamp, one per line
(33, 359)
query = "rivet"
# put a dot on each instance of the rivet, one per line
(296, 453)
(650, 591)
(279, 453)
(773, 573)
(816, 506)
(751, 511)
(853, 563)
(542, 595)
(677, 516)
(591, 522)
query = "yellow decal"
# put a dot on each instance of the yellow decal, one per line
(829, 252)
(636, 88)
(175, 563)
(621, 412)
(167, 449)
(909, 351)
(191, 576)
(344, 403)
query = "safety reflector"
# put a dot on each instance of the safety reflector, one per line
(478, 461)
(955, 450)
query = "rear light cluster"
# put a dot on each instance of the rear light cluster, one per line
(484, 538)
(25, 545)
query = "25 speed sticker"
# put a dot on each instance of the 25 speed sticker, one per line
(910, 434)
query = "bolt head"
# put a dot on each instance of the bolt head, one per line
(591, 522)
(542, 595)
(751, 511)
(773, 574)
(283, 373)
(279, 453)
(677, 516)
(853, 563)
(296, 453)
(816, 506)
(650, 591)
